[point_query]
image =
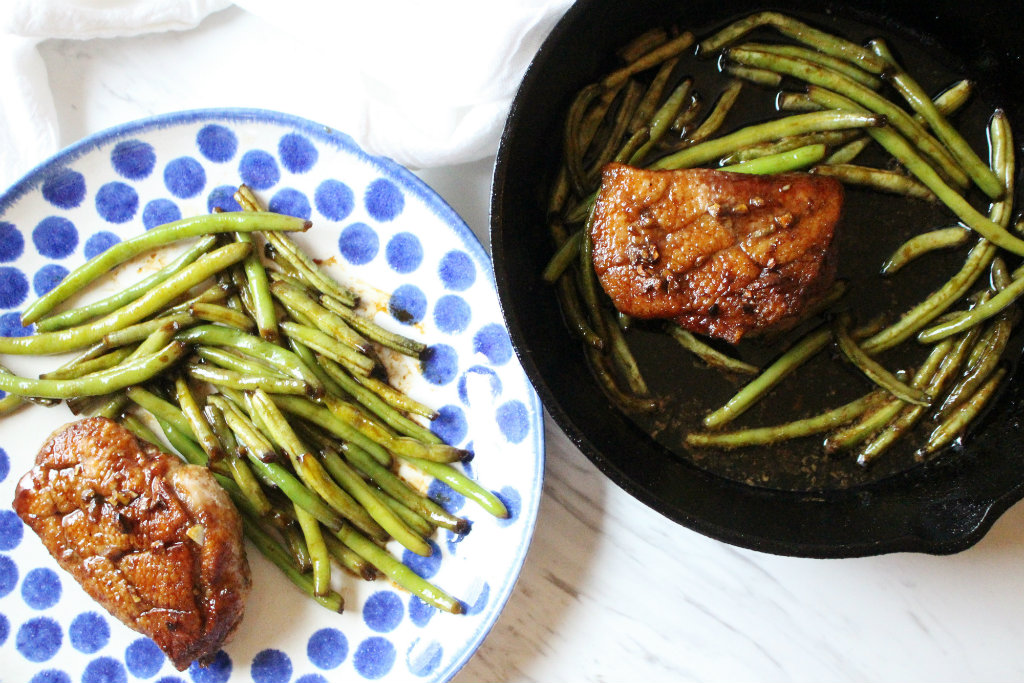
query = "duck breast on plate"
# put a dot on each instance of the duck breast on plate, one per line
(720, 253)
(157, 542)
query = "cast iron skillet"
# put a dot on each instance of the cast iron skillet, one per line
(943, 506)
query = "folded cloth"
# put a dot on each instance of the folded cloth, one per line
(427, 83)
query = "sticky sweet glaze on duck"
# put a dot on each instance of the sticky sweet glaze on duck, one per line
(155, 541)
(723, 254)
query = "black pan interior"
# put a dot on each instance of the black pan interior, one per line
(943, 506)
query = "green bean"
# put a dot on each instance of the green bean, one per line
(98, 383)
(401, 491)
(863, 96)
(398, 572)
(259, 292)
(350, 480)
(161, 409)
(326, 321)
(376, 405)
(708, 354)
(761, 436)
(79, 315)
(326, 420)
(235, 380)
(763, 149)
(410, 518)
(317, 551)
(919, 101)
(295, 542)
(141, 331)
(230, 359)
(265, 543)
(248, 487)
(782, 162)
(843, 66)
(807, 347)
(257, 445)
(371, 330)
(147, 304)
(599, 364)
(328, 346)
(399, 445)
(296, 491)
(979, 369)
(796, 124)
(460, 483)
(622, 357)
(298, 259)
(215, 293)
(672, 48)
(396, 398)
(642, 44)
(350, 560)
(769, 79)
(11, 403)
(898, 147)
(574, 147)
(627, 109)
(277, 356)
(223, 315)
(141, 430)
(848, 152)
(874, 370)
(574, 313)
(943, 238)
(820, 40)
(104, 362)
(662, 120)
(716, 117)
(196, 420)
(876, 179)
(310, 470)
(648, 102)
(112, 406)
(974, 316)
(182, 229)
(955, 424)
(796, 101)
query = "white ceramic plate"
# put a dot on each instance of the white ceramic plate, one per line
(378, 227)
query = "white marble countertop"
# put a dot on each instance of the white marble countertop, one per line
(611, 591)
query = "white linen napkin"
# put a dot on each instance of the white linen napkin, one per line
(427, 83)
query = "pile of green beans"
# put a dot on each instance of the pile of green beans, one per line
(255, 363)
(852, 96)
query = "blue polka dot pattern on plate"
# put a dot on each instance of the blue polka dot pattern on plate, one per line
(158, 212)
(39, 639)
(8, 575)
(334, 199)
(99, 243)
(452, 314)
(311, 678)
(440, 364)
(374, 657)
(383, 200)
(424, 659)
(383, 611)
(358, 243)
(117, 202)
(450, 425)
(481, 600)
(47, 277)
(423, 566)
(12, 244)
(513, 420)
(55, 237)
(10, 326)
(457, 271)
(133, 159)
(13, 287)
(445, 496)
(420, 612)
(11, 530)
(5, 629)
(184, 177)
(475, 377)
(327, 648)
(408, 304)
(104, 670)
(41, 588)
(169, 679)
(217, 671)
(223, 198)
(216, 142)
(65, 189)
(404, 252)
(258, 169)
(143, 658)
(89, 632)
(492, 341)
(51, 676)
(297, 153)
(290, 202)
(271, 666)
(5, 464)
(513, 503)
